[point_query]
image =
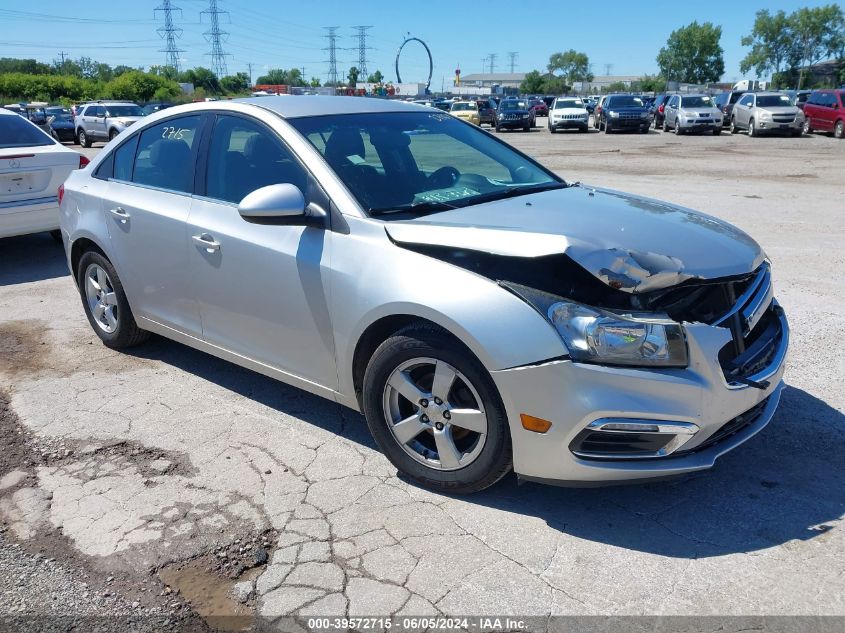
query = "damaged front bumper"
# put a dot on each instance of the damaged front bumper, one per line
(712, 411)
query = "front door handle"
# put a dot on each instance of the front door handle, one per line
(207, 242)
(120, 213)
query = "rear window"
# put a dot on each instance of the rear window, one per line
(15, 131)
(736, 96)
(124, 110)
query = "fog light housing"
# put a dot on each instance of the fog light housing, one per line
(626, 438)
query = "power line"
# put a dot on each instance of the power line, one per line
(170, 34)
(332, 49)
(492, 59)
(215, 36)
(362, 50)
(512, 59)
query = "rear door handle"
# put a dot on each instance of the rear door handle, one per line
(120, 213)
(207, 242)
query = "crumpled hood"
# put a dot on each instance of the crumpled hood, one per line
(630, 243)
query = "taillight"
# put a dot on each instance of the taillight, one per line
(660, 109)
(83, 160)
(61, 192)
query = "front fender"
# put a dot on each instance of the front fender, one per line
(375, 278)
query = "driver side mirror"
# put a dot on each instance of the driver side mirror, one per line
(281, 204)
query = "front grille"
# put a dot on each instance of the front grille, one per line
(730, 428)
(784, 118)
(570, 117)
(629, 116)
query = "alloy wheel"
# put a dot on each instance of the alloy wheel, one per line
(435, 414)
(101, 298)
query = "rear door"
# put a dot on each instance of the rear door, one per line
(262, 288)
(147, 204)
(96, 123)
(828, 111)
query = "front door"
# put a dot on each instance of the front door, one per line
(262, 289)
(146, 207)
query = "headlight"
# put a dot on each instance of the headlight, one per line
(644, 115)
(613, 114)
(765, 115)
(525, 116)
(599, 336)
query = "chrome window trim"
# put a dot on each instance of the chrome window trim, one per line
(176, 192)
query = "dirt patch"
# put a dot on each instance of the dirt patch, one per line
(23, 347)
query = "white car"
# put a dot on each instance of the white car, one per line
(32, 166)
(568, 112)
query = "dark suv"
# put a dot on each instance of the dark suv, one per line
(624, 112)
(824, 111)
(514, 113)
(725, 101)
(486, 111)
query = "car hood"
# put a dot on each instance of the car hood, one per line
(702, 110)
(780, 110)
(630, 243)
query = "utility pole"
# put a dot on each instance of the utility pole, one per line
(362, 50)
(216, 37)
(169, 34)
(512, 60)
(484, 65)
(249, 67)
(492, 58)
(332, 49)
(62, 55)
(607, 69)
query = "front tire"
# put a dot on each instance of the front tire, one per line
(734, 128)
(105, 303)
(113, 134)
(839, 130)
(435, 412)
(83, 139)
(752, 128)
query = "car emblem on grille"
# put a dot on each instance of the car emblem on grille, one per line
(14, 163)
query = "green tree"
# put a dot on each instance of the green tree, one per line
(818, 33)
(295, 77)
(693, 54)
(554, 86)
(533, 82)
(652, 83)
(352, 76)
(315, 82)
(235, 84)
(375, 78)
(274, 77)
(25, 66)
(616, 86)
(140, 86)
(571, 65)
(771, 42)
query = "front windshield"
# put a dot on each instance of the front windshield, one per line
(404, 164)
(512, 105)
(625, 101)
(124, 110)
(457, 107)
(560, 104)
(697, 102)
(771, 101)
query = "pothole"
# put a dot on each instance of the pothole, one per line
(220, 586)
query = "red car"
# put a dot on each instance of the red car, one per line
(824, 111)
(539, 107)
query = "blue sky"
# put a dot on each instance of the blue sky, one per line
(278, 33)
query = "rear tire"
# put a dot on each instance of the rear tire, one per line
(83, 138)
(807, 128)
(606, 126)
(665, 125)
(839, 130)
(411, 358)
(105, 303)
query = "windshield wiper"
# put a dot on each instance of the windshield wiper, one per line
(518, 190)
(415, 207)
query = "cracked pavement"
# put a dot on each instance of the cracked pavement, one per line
(166, 455)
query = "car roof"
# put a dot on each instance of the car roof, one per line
(4, 111)
(294, 106)
(768, 94)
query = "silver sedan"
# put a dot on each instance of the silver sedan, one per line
(484, 314)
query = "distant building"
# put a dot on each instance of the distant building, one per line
(601, 82)
(488, 80)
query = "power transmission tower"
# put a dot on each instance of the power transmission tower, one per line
(362, 50)
(170, 34)
(216, 37)
(332, 49)
(492, 58)
(512, 60)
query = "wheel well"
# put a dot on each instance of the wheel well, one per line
(80, 247)
(376, 334)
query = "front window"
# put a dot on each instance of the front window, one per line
(124, 110)
(402, 165)
(561, 104)
(773, 101)
(697, 102)
(15, 131)
(625, 101)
